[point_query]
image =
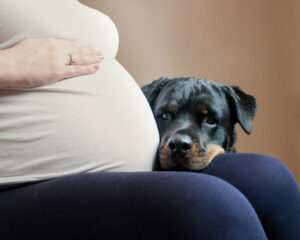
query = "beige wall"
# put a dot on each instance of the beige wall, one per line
(253, 44)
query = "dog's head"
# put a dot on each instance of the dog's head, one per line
(196, 119)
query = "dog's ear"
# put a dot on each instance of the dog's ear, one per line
(244, 106)
(152, 89)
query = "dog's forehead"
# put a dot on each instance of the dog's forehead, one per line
(194, 88)
(192, 93)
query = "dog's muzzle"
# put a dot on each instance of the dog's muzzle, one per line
(179, 151)
(180, 145)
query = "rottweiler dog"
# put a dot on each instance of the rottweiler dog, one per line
(196, 119)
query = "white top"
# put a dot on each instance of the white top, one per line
(68, 19)
(89, 123)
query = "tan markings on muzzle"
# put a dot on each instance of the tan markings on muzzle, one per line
(194, 153)
(213, 150)
(196, 158)
(164, 157)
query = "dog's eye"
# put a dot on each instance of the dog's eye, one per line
(165, 116)
(211, 120)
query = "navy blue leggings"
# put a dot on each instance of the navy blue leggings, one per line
(240, 196)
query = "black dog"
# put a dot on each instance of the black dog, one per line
(196, 119)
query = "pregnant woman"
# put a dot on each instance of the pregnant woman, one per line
(78, 142)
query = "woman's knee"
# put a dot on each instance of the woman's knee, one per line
(251, 167)
(268, 184)
(199, 206)
(274, 169)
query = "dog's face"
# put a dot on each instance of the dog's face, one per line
(196, 119)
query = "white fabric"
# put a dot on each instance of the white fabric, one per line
(98, 122)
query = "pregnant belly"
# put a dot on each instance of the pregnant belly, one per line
(88, 123)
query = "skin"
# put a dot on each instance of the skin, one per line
(35, 62)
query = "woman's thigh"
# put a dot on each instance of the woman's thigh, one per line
(140, 205)
(270, 187)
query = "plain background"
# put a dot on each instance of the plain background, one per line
(252, 44)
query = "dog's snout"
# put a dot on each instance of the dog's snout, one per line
(180, 144)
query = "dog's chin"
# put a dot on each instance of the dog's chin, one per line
(196, 166)
(192, 165)
(196, 163)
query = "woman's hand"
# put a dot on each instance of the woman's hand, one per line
(35, 62)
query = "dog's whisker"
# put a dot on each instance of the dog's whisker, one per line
(200, 112)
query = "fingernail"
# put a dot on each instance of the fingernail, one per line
(99, 53)
(98, 59)
(96, 66)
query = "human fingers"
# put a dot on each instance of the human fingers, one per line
(74, 71)
(39, 62)
(77, 58)
(81, 53)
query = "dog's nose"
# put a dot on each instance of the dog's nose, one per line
(180, 144)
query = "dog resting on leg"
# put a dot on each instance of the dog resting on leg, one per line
(196, 119)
